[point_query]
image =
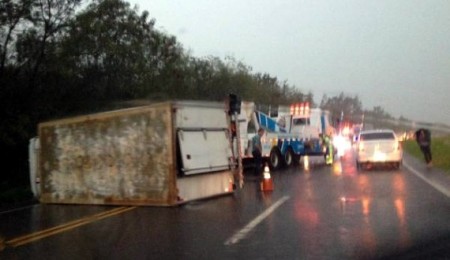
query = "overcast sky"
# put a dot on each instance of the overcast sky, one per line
(390, 53)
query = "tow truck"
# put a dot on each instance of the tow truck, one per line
(294, 131)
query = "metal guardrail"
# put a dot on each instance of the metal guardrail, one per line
(410, 125)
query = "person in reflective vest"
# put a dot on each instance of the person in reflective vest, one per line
(329, 149)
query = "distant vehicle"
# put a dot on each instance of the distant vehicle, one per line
(378, 147)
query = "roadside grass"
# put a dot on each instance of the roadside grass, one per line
(440, 150)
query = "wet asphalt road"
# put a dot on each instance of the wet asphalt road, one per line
(324, 212)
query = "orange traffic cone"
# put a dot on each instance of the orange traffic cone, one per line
(267, 182)
(230, 187)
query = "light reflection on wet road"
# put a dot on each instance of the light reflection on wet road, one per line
(329, 212)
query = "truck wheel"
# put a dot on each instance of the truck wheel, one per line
(289, 158)
(296, 159)
(275, 159)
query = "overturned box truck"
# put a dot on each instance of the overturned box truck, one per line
(158, 155)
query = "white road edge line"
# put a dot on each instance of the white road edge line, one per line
(432, 184)
(241, 234)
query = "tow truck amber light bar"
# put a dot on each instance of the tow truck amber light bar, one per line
(300, 108)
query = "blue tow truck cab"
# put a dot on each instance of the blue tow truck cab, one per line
(295, 132)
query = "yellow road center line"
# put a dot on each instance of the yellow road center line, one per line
(65, 227)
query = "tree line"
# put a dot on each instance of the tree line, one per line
(60, 58)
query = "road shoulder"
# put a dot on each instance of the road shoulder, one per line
(437, 178)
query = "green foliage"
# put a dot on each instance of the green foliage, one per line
(411, 147)
(11, 14)
(56, 62)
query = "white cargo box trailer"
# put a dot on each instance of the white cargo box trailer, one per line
(162, 154)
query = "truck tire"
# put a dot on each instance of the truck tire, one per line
(275, 159)
(289, 158)
(297, 159)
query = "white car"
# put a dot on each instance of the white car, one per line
(378, 147)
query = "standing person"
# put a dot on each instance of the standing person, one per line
(423, 139)
(257, 151)
(329, 154)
